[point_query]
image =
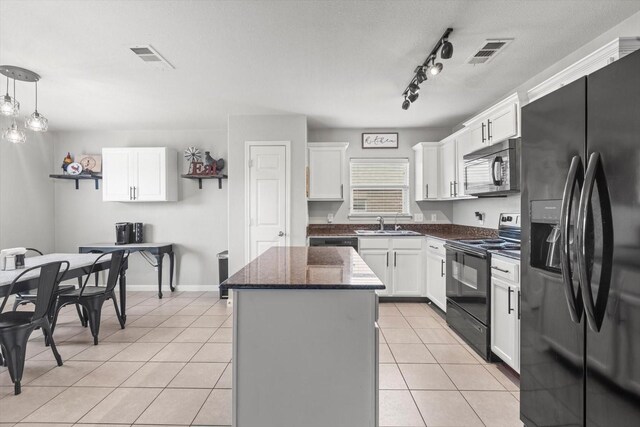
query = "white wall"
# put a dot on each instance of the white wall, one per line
(26, 192)
(407, 138)
(196, 224)
(241, 129)
(492, 207)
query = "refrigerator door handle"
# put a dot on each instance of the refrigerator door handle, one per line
(575, 177)
(595, 310)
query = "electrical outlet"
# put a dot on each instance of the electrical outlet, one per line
(418, 217)
(434, 217)
(330, 218)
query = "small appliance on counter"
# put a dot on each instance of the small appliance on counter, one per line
(138, 231)
(124, 233)
(12, 259)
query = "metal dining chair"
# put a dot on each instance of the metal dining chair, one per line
(17, 326)
(92, 298)
(27, 297)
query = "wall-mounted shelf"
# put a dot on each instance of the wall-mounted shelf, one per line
(201, 177)
(77, 178)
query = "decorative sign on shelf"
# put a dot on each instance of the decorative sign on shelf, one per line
(197, 167)
(379, 140)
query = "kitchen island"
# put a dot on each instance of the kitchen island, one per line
(305, 339)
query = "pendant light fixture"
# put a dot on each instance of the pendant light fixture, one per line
(37, 122)
(9, 106)
(14, 134)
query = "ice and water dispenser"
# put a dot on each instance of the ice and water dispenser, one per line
(545, 234)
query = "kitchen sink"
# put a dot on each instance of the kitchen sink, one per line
(387, 233)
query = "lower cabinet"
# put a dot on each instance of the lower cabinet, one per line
(397, 262)
(505, 312)
(436, 273)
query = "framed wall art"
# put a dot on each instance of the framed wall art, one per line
(380, 140)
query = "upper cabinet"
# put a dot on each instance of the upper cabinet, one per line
(612, 51)
(147, 174)
(326, 173)
(426, 170)
(495, 124)
(448, 172)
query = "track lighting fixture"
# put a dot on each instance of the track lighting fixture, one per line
(11, 107)
(446, 52)
(421, 75)
(406, 103)
(435, 69)
(428, 67)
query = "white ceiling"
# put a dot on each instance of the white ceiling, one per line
(341, 63)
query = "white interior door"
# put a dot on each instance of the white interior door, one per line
(267, 198)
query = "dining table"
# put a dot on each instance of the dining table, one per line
(79, 266)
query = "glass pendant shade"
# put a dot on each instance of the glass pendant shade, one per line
(9, 106)
(37, 122)
(14, 135)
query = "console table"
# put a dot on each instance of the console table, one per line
(158, 250)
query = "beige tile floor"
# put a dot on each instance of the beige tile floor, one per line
(172, 366)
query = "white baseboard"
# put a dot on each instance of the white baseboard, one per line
(165, 288)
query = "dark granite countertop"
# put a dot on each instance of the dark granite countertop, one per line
(441, 231)
(300, 267)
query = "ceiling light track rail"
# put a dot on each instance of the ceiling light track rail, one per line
(428, 67)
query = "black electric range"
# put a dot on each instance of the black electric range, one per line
(469, 279)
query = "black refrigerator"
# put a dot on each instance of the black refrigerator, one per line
(580, 327)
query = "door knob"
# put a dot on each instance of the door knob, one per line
(280, 234)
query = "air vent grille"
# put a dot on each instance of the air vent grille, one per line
(488, 51)
(150, 55)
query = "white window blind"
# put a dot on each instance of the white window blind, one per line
(379, 186)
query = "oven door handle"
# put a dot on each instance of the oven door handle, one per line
(462, 251)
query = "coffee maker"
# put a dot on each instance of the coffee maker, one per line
(124, 233)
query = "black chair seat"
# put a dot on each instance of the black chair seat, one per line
(15, 318)
(34, 292)
(88, 291)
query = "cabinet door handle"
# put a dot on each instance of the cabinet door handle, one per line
(134, 193)
(387, 259)
(483, 138)
(519, 304)
(499, 269)
(455, 188)
(433, 247)
(509, 309)
(130, 193)
(395, 259)
(450, 188)
(441, 268)
(426, 193)
(489, 136)
(342, 191)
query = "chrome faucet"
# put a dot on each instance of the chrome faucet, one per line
(381, 221)
(396, 227)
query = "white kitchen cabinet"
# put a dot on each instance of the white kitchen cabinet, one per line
(398, 263)
(148, 174)
(426, 155)
(505, 311)
(448, 171)
(436, 273)
(326, 170)
(378, 262)
(495, 124)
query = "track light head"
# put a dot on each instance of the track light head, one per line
(406, 104)
(446, 52)
(435, 69)
(421, 75)
(413, 87)
(413, 96)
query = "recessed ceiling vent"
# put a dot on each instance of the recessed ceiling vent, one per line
(148, 54)
(488, 51)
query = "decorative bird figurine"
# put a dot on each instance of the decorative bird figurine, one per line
(66, 162)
